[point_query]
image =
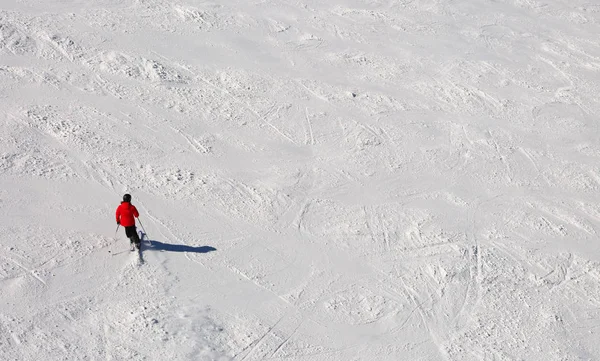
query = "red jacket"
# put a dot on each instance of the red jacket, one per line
(125, 213)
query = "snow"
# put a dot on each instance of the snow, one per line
(320, 180)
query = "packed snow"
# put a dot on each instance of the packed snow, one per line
(318, 180)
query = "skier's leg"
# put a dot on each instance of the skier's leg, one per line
(136, 240)
(131, 234)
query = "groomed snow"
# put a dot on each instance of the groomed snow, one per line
(320, 180)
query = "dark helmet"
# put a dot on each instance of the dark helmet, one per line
(127, 198)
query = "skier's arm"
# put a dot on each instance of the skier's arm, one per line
(118, 216)
(135, 212)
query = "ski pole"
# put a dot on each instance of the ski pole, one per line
(115, 237)
(144, 229)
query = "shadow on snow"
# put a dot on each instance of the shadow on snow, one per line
(159, 246)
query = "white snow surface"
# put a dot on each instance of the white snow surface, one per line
(320, 180)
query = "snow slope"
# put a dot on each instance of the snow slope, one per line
(320, 180)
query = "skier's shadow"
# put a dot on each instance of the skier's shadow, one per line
(159, 246)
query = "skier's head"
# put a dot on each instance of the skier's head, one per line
(127, 198)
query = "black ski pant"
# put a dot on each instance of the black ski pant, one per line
(131, 233)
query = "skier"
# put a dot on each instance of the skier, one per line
(125, 217)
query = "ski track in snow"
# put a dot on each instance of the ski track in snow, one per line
(351, 180)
